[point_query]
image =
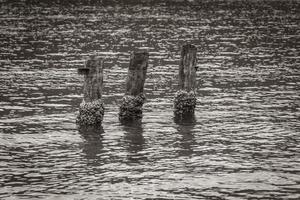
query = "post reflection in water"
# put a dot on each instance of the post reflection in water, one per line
(93, 141)
(185, 125)
(134, 140)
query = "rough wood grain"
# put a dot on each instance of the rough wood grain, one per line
(93, 79)
(137, 73)
(187, 68)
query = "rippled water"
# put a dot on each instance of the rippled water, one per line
(242, 144)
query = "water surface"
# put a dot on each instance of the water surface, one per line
(242, 144)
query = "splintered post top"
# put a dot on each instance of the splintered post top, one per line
(137, 59)
(90, 66)
(188, 48)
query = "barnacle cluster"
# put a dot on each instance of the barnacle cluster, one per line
(131, 107)
(90, 113)
(185, 102)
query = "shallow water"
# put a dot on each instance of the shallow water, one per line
(243, 142)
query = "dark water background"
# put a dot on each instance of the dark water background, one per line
(242, 144)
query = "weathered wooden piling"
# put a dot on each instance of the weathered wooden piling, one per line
(132, 102)
(91, 109)
(185, 98)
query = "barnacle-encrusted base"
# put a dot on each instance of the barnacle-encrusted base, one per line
(131, 107)
(90, 113)
(185, 102)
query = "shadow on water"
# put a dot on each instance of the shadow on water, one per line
(93, 140)
(184, 129)
(134, 140)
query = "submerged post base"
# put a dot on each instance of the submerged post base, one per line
(131, 107)
(90, 113)
(184, 103)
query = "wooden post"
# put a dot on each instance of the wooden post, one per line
(185, 99)
(93, 79)
(187, 67)
(132, 102)
(137, 73)
(91, 109)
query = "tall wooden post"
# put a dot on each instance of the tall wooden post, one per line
(185, 98)
(91, 109)
(187, 67)
(132, 102)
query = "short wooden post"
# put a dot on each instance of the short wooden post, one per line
(185, 98)
(132, 102)
(91, 109)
